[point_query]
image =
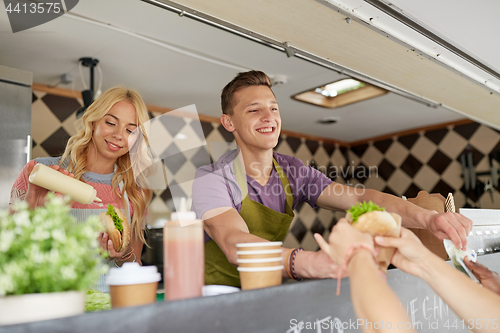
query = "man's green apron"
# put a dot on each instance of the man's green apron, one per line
(261, 221)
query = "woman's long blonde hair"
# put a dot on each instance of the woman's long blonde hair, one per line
(78, 144)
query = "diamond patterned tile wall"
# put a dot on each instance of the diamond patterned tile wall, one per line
(401, 165)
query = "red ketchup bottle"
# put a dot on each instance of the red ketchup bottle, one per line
(184, 255)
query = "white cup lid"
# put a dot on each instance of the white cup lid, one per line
(132, 273)
(259, 252)
(260, 269)
(259, 244)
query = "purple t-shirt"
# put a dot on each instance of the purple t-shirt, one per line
(215, 185)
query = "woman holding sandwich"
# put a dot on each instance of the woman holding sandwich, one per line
(99, 155)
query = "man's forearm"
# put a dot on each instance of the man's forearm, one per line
(413, 216)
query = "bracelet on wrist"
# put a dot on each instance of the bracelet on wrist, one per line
(293, 255)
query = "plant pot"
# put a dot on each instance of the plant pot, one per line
(18, 309)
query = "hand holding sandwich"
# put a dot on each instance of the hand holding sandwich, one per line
(116, 237)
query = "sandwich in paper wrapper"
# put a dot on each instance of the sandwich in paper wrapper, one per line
(369, 218)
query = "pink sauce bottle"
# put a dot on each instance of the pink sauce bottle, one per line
(184, 255)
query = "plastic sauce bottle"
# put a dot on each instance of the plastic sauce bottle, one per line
(184, 255)
(53, 180)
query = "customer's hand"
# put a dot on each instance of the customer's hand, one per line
(342, 237)
(410, 252)
(489, 279)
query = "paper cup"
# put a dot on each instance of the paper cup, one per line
(132, 285)
(257, 254)
(260, 277)
(261, 262)
(258, 246)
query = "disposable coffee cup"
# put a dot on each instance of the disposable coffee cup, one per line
(258, 246)
(261, 262)
(132, 285)
(260, 277)
(256, 254)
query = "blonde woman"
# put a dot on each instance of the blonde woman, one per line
(99, 155)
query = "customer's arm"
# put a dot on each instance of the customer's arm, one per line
(478, 306)
(373, 300)
(489, 279)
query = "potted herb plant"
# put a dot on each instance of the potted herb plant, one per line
(47, 260)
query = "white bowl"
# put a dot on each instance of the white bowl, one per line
(215, 289)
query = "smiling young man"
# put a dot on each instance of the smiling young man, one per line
(249, 194)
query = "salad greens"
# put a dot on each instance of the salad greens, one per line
(97, 301)
(116, 219)
(361, 208)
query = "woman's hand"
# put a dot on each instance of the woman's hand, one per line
(343, 235)
(35, 195)
(410, 252)
(107, 245)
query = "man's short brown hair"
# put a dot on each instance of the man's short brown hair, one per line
(242, 80)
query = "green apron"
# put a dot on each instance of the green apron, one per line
(261, 221)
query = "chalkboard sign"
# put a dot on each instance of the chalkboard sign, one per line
(310, 306)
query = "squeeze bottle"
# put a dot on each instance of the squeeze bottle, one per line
(184, 255)
(53, 180)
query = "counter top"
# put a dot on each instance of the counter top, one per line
(275, 309)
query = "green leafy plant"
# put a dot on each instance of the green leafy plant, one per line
(46, 250)
(361, 208)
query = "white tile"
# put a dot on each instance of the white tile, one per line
(188, 140)
(43, 122)
(309, 243)
(38, 151)
(375, 182)
(69, 124)
(484, 139)
(423, 149)
(483, 165)
(453, 144)
(426, 178)
(215, 136)
(453, 175)
(396, 153)
(284, 148)
(372, 157)
(304, 154)
(321, 157)
(487, 202)
(325, 216)
(338, 158)
(39, 94)
(307, 215)
(352, 160)
(158, 136)
(399, 182)
(158, 206)
(290, 241)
